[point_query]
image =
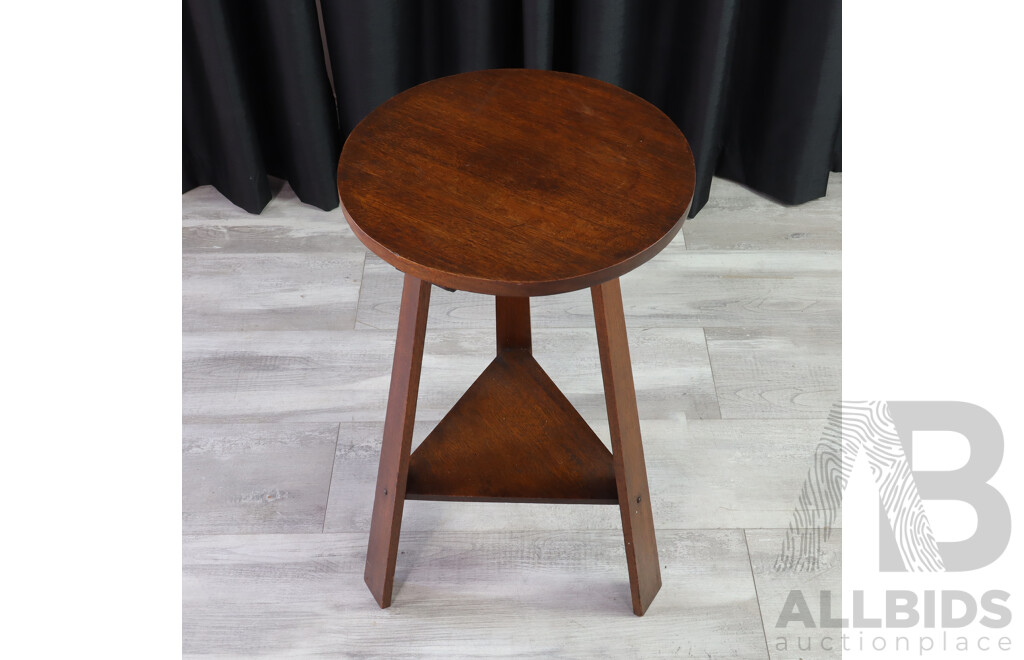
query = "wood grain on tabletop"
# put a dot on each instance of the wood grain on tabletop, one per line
(516, 182)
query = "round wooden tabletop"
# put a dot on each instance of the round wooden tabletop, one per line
(516, 182)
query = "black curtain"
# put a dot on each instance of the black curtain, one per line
(755, 85)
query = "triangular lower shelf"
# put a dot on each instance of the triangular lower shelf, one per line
(513, 437)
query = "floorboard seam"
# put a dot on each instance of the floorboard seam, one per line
(610, 530)
(711, 368)
(757, 597)
(330, 484)
(359, 294)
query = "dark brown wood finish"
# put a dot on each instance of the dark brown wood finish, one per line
(513, 437)
(516, 182)
(512, 319)
(627, 449)
(389, 499)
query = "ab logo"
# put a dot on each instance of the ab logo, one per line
(882, 432)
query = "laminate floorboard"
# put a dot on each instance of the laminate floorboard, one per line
(256, 478)
(765, 373)
(736, 218)
(276, 291)
(792, 639)
(675, 290)
(539, 594)
(340, 376)
(211, 224)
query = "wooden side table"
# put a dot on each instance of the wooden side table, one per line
(515, 183)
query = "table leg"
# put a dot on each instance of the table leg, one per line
(627, 448)
(389, 498)
(513, 323)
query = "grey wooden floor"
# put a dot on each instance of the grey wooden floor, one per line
(289, 325)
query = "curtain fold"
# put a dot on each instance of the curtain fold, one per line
(785, 116)
(257, 101)
(755, 86)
